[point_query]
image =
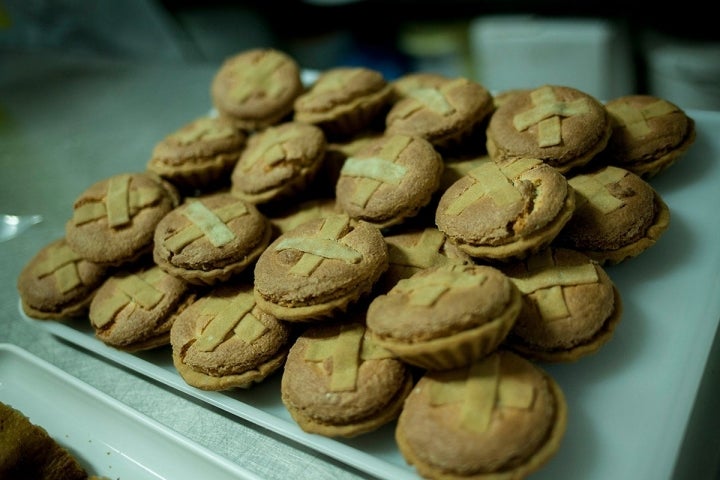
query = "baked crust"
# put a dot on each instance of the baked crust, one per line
(570, 306)
(649, 134)
(210, 238)
(390, 180)
(114, 219)
(319, 268)
(223, 340)
(256, 88)
(58, 284)
(618, 215)
(501, 212)
(446, 316)
(501, 418)
(562, 126)
(338, 383)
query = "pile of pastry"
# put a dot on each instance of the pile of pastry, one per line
(406, 250)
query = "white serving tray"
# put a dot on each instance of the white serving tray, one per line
(108, 437)
(629, 404)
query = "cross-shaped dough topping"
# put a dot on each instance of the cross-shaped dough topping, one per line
(120, 204)
(257, 78)
(374, 171)
(425, 290)
(481, 393)
(346, 351)
(203, 129)
(432, 98)
(206, 223)
(593, 189)
(547, 114)
(61, 262)
(227, 317)
(545, 280)
(634, 119)
(140, 290)
(274, 147)
(423, 254)
(325, 244)
(494, 181)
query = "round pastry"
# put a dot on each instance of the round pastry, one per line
(415, 249)
(57, 283)
(256, 88)
(446, 115)
(570, 306)
(618, 215)
(338, 383)
(114, 220)
(562, 126)
(446, 316)
(319, 268)
(649, 134)
(200, 155)
(343, 101)
(500, 418)
(504, 212)
(408, 83)
(223, 340)
(298, 213)
(389, 180)
(210, 238)
(134, 309)
(29, 451)
(278, 162)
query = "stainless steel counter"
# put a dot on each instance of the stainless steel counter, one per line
(66, 123)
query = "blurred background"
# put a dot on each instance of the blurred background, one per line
(606, 48)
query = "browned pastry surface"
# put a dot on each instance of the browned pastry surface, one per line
(223, 340)
(500, 418)
(337, 382)
(256, 88)
(57, 283)
(319, 268)
(199, 155)
(445, 316)
(389, 180)
(501, 212)
(113, 220)
(209, 239)
(560, 125)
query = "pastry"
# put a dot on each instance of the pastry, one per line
(278, 162)
(256, 88)
(649, 134)
(501, 417)
(415, 249)
(58, 284)
(224, 341)
(498, 213)
(446, 115)
(446, 316)
(338, 383)
(284, 220)
(319, 268)
(389, 180)
(210, 238)
(344, 101)
(618, 215)
(570, 306)
(200, 155)
(562, 126)
(134, 309)
(28, 451)
(114, 219)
